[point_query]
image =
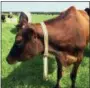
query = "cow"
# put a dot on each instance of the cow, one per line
(88, 11)
(10, 15)
(3, 18)
(68, 35)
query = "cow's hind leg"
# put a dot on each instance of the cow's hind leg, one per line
(59, 72)
(74, 70)
(74, 74)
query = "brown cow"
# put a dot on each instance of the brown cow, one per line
(68, 35)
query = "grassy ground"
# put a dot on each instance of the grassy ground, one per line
(30, 74)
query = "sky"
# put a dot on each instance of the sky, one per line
(42, 6)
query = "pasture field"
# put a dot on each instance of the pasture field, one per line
(30, 73)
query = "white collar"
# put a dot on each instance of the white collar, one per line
(44, 28)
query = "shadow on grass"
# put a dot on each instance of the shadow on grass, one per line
(29, 75)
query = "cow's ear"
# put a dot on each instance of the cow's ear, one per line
(24, 17)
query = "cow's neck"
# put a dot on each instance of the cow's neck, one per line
(40, 40)
(40, 37)
(39, 30)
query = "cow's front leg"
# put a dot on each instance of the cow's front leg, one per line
(59, 72)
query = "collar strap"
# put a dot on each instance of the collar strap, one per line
(45, 38)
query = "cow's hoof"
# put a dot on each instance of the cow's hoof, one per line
(57, 86)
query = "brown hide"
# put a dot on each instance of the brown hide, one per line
(69, 32)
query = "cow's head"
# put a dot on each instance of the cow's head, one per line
(25, 46)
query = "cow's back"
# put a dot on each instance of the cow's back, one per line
(70, 29)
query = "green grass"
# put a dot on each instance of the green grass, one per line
(30, 73)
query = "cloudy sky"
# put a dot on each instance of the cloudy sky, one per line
(42, 6)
